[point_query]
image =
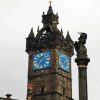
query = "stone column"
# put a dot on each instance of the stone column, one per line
(82, 71)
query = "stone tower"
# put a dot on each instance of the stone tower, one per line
(49, 65)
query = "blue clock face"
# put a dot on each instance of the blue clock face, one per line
(63, 61)
(41, 60)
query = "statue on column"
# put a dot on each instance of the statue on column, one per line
(80, 46)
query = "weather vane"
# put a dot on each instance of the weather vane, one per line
(50, 2)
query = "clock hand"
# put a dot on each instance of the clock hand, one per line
(43, 59)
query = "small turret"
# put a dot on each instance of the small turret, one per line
(29, 40)
(38, 29)
(31, 35)
(61, 31)
(69, 44)
(43, 13)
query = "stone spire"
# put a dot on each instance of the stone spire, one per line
(31, 33)
(68, 37)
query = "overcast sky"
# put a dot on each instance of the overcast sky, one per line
(16, 19)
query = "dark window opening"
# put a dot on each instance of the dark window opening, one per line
(63, 91)
(42, 90)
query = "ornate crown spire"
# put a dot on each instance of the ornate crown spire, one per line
(50, 10)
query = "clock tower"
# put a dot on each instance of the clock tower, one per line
(49, 62)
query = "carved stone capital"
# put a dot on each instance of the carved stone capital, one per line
(82, 61)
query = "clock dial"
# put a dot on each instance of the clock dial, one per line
(41, 60)
(63, 61)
